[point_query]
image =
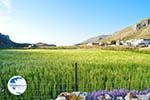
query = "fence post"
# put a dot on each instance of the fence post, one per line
(76, 77)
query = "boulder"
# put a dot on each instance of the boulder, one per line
(104, 97)
(60, 98)
(147, 97)
(70, 96)
(131, 96)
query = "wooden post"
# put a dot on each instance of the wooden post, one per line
(76, 77)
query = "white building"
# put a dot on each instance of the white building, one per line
(94, 44)
(121, 43)
(138, 42)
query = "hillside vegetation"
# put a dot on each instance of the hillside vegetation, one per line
(130, 33)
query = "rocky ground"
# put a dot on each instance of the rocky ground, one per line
(116, 94)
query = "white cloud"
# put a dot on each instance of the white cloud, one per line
(6, 4)
(5, 12)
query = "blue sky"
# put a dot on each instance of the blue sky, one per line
(66, 22)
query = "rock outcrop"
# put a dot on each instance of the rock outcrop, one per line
(6, 42)
(142, 24)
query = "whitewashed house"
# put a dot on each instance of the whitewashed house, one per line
(94, 44)
(31, 45)
(118, 43)
(121, 43)
(138, 42)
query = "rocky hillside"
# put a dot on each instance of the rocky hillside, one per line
(6, 42)
(93, 39)
(139, 30)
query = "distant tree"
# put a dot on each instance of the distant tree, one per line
(113, 42)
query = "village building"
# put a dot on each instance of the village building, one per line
(139, 42)
(94, 44)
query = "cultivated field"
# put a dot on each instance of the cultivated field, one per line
(49, 72)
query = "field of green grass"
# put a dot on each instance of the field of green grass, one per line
(49, 72)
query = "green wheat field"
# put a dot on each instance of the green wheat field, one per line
(49, 72)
